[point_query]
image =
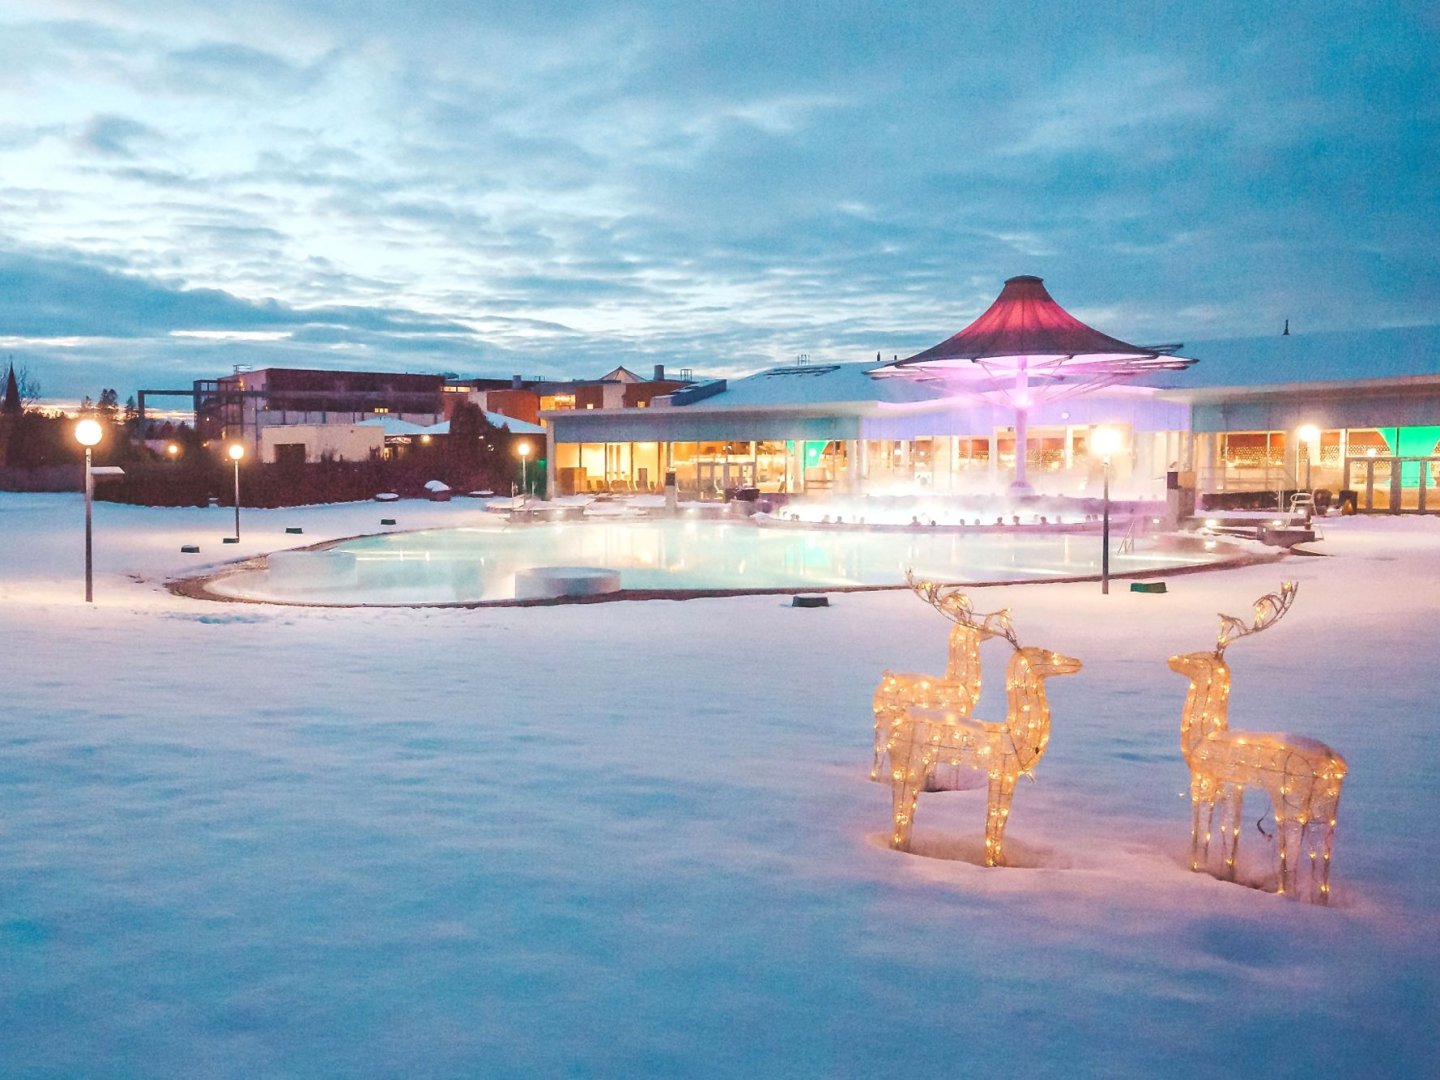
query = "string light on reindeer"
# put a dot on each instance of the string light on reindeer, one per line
(957, 690)
(1301, 776)
(923, 738)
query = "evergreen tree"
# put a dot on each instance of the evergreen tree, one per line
(13, 406)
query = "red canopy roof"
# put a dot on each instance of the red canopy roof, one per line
(1025, 321)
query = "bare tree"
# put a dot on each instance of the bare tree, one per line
(29, 386)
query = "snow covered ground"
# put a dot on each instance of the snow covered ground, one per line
(637, 839)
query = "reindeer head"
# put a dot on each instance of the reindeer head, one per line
(1045, 663)
(1268, 610)
(955, 606)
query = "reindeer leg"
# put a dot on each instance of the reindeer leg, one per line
(882, 742)
(908, 766)
(1327, 846)
(1327, 815)
(1307, 870)
(997, 812)
(883, 706)
(1234, 795)
(1287, 836)
(1202, 793)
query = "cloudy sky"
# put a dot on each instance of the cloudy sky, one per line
(491, 188)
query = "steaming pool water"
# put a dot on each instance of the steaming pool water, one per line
(479, 564)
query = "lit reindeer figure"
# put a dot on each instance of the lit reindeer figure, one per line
(956, 691)
(922, 739)
(1301, 776)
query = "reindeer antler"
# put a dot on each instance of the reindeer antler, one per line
(955, 606)
(1269, 609)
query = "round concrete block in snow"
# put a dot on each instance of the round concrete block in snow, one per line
(312, 569)
(548, 582)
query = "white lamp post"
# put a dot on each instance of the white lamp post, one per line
(236, 452)
(87, 434)
(1307, 435)
(524, 451)
(1105, 442)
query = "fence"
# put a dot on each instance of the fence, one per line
(42, 478)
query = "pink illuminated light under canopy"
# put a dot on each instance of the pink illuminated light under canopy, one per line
(1027, 350)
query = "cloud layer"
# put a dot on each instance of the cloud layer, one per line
(490, 187)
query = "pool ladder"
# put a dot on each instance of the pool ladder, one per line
(1126, 546)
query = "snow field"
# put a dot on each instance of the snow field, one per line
(638, 838)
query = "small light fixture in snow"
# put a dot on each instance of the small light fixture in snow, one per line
(922, 739)
(1301, 776)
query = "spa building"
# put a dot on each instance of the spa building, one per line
(1235, 420)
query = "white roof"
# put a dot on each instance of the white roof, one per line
(516, 427)
(811, 385)
(393, 426)
(1327, 356)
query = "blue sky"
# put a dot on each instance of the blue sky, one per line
(498, 188)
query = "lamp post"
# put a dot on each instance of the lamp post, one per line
(1307, 435)
(236, 452)
(87, 434)
(1105, 442)
(524, 451)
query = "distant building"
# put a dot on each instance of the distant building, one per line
(296, 415)
(247, 407)
(528, 399)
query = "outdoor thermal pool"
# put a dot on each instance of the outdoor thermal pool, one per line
(479, 564)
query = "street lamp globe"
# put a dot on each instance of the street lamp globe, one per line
(236, 452)
(1105, 442)
(88, 432)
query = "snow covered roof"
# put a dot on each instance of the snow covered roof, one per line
(394, 426)
(515, 427)
(817, 385)
(1344, 356)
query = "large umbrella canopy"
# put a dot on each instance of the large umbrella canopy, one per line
(1026, 330)
(1026, 349)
